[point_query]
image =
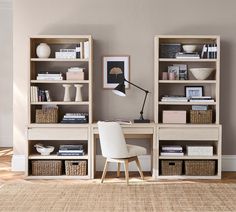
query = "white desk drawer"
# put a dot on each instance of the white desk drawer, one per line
(182, 133)
(58, 133)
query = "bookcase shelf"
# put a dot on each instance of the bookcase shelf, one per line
(57, 60)
(60, 81)
(183, 134)
(56, 157)
(59, 103)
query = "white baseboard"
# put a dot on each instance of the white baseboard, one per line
(18, 163)
(229, 163)
(145, 161)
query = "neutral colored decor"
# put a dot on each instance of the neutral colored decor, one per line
(43, 50)
(201, 73)
(67, 97)
(78, 95)
(115, 149)
(193, 91)
(115, 68)
(160, 197)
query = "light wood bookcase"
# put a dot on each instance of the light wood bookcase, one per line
(187, 134)
(57, 134)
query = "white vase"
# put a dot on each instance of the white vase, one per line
(67, 93)
(78, 96)
(43, 50)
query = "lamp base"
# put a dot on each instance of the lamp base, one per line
(141, 121)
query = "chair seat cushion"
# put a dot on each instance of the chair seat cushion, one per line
(135, 150)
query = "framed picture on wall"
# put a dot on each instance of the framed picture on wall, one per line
(115, 68)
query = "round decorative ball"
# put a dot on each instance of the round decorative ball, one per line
(43, 50)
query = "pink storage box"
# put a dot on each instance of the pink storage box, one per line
(75, 76)
(174, 116)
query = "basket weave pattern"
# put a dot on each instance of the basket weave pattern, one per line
(200, 116)
(200, 168)
(49, 115)
(78, 168)
(171, 167)
(46, 167)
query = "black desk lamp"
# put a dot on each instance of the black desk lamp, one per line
(120, 90)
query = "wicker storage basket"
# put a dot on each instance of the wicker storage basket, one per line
(76, 167)
(200, 167)
(171, 167)
(200, 116)
(49, 115)
(46, 167)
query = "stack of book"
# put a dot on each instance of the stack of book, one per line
(75, 118)
(185, 55)
(174, 99)
(71, 150)
(47, 76)
(199, 107)
(172, 150)
(39, 95)
(201, 99)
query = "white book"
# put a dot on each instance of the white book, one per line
(47, 95)
(203, 100)
(172, 154)
(174, 147)
(49, 78)
(86, 50)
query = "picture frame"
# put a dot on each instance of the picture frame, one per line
(115, 68)
(175, 70)
(193, 91)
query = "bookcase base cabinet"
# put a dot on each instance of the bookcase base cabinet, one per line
(189, 135)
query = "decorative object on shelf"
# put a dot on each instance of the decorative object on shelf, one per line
(171, 167)
(200, 167)
(76, 168)
(196, 150)
(78, 96)
(189, 48)
(114, 69)
(173, 72)
(75, 73)
(164, 75)
(46, 115)
(169, 50)
(120, 91)
(174, 116)
(183, 73)
(67, 97)
(201, 116)
(193, 91)
(43, 50)
(201, 73)
(46, 167)
(44, 150)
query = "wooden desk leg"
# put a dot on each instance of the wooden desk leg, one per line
(139, 167)
(118, 169)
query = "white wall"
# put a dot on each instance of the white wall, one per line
(6, 73)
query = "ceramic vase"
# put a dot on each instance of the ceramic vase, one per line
(67, 93)
(78, 96)
(43, 50)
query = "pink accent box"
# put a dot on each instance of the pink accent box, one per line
(174, 116)
(75, 76)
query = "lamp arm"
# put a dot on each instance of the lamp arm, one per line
(146, 93)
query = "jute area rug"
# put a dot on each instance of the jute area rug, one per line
(118, 197)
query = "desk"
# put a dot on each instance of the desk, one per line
(145, 130)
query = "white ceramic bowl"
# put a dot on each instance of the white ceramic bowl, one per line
(189, 48)
(201, 73)
(45, 150)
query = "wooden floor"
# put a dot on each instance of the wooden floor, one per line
(7, 175)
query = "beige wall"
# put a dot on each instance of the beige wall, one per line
(125, 27)
(6, 89)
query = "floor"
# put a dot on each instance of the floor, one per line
(6, 175)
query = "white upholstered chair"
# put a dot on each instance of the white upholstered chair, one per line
(115, 149)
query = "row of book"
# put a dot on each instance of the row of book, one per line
(51, 76)
(75, 118)
(209, 51)
(186, 99)
(71, 150)
(186, 55)
(39, 95)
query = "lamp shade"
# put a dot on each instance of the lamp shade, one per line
(120, 89)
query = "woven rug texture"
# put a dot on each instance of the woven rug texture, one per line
(204, 197)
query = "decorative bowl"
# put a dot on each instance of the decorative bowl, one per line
(189, 48)
(44, 150)
(201, 73)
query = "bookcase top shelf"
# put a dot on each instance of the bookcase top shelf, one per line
(185, 60)
(187, 81)
(214, 157)
(59, 103)
(60, 81)
(57, 60)
(54, 156)
(187, 103)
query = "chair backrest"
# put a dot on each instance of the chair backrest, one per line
(112, 140)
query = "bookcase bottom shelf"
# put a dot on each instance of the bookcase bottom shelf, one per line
(184, 177)
(60, 177)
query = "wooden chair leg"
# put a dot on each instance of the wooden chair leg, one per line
(126, 165)
(118, 170)
(139, 167)
(104, 171)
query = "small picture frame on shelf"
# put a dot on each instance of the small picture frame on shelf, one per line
(193, 91)
(115, 68)
(173, 72)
